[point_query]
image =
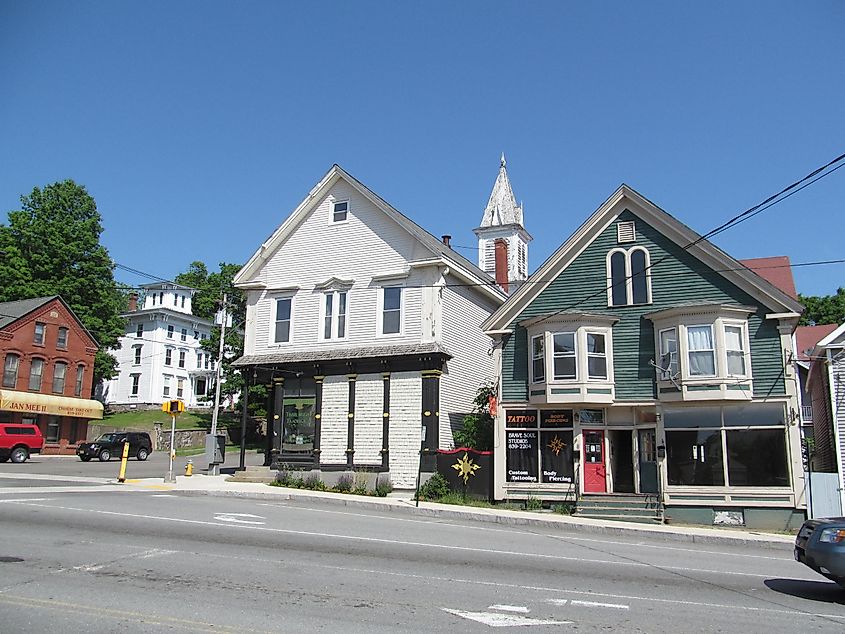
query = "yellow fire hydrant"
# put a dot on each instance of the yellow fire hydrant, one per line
(189, 468)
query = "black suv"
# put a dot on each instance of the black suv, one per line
(108, 445)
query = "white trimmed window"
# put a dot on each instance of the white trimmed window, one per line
(282, 322)
(184, 334)
(735, 350)
(538, 359)
(80, 378)
(628, 277)
(340, 211)
(668, 354)
(59, 373)
(168, 356)
(139, 329)
(40, 329)
(10, 370)
(137, 359)
(36, 371)
(165, 388)
(701, 351)
(182, 358)
(334, 315)
(61, 338)
(180, 387)
(390, 322)
(565, 358)
(596, 356)
(136, 384)
(170, 332)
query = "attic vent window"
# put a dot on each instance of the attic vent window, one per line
(626, 231)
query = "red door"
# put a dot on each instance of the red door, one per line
(595, 472)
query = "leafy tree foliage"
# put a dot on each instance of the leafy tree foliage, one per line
(206, 302)
(477, 432)
(825, 309)
(52, 247)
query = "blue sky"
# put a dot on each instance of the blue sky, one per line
(199, 126)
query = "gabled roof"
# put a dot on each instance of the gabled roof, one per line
(832, 336)
(10, 312)
(455, 261)
(776, 270)
(627, 198)
(806, 338)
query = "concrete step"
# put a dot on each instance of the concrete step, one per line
(254, 474)
(614, 510)
(640, 519)
(645, 506)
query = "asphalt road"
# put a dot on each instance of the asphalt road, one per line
(154, 466)
(150, 561)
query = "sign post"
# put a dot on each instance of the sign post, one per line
(174, 408)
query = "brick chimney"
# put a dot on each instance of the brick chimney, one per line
(502, 264)
(133, 302)
(447, 240)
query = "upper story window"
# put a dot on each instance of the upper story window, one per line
(165, 389)
(168, 356)
(137, 360)
(139, 330)
(10, 370)
(628, 277)
(702, 342)
(334, 315)
(80, 379)
(161, 298)
(182, 303)
(284, 307)
(170, 332)
(175, 299)
(180, 387)
(181, 358)
(340, 211)
(36, 372)
(184, 334)
(580, 346)
(61, 338)
(538, 359)
(199, 360)
(154, 299)
(391, 310)
(40, 330)
(136, 384)
(59, 373)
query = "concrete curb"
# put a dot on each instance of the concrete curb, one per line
(514, 518)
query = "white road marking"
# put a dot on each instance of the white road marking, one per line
(28, 500)
(163, 495)
(377, 540)
(521, 609)
(494, 619)
(595, 604)
(238, 518)
(638, 544)
(146, 554)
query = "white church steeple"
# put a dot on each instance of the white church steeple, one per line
(502, 222)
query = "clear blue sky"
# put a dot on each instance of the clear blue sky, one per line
(199, 126)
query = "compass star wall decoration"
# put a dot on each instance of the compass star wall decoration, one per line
(556, 445)
(465, 467)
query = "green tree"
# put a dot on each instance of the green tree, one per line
(477, 432)
(52, 247)
(824, 309)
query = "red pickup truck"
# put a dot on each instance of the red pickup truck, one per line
(18, 441)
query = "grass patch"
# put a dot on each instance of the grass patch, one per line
(146, 419)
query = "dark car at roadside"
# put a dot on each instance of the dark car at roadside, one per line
(110, 445)
(821, 546)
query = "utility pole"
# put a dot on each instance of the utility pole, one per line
(213, 468)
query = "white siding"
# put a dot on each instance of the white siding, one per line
(405, 428)
(837, 392)
(334, 422)
(368, 245)
(369, 397)
(471, 365)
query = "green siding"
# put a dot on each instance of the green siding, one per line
(680, 279)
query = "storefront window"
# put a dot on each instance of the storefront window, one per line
(757, 457)
(539, 446)
(752, 437)
(52, 434)
(695, 457)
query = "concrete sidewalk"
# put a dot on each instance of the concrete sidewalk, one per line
(218, 486)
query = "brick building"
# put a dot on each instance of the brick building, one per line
(48, 367)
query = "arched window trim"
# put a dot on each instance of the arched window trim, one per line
(629, 283)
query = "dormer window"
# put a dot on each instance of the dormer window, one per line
(340, 211)
(628, 277)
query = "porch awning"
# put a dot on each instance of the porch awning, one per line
(30, 403)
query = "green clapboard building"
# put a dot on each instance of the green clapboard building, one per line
(641, 363)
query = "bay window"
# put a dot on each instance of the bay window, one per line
(702, 354)
(596, 356)
(735, 351)
(668, 354)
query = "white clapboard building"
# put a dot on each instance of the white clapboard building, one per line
(367, 329)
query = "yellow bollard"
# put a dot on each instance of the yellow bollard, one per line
(122, 477)
(189, 468)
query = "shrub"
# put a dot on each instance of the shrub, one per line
(564, 508)
(312, 481)
(533, 504)
(360, 487)
(477, 429)
(344, 483)
(435, 488)
(383, 487)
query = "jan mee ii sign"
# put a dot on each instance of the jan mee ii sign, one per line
(26, 403)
